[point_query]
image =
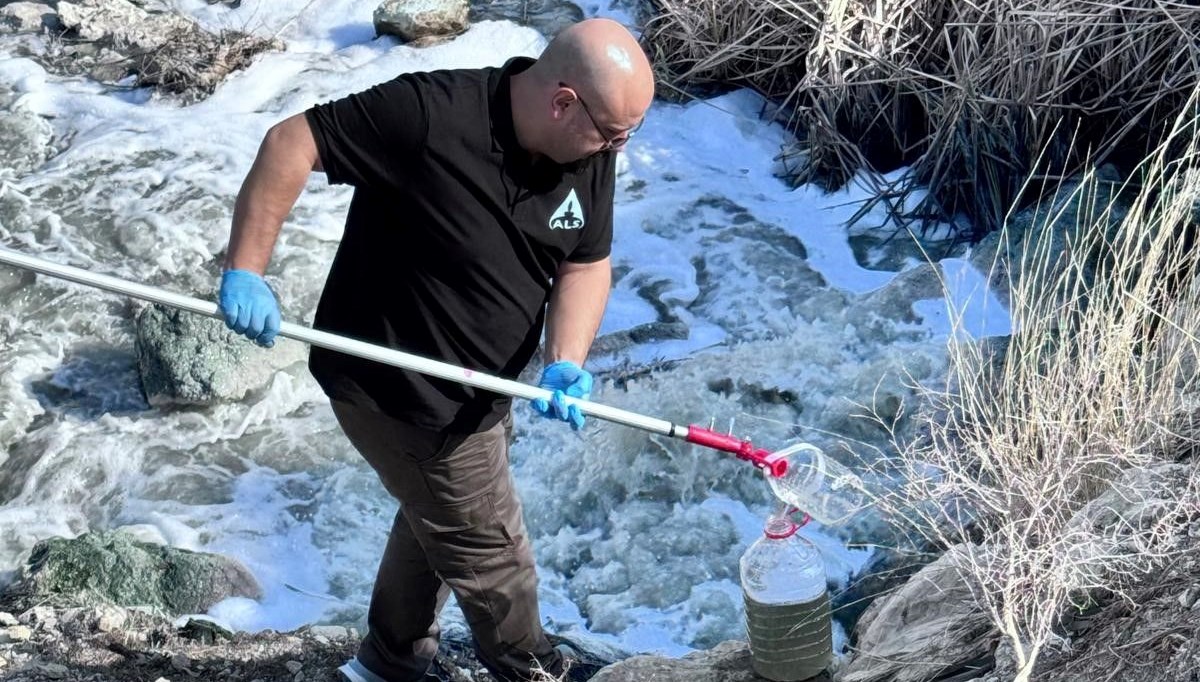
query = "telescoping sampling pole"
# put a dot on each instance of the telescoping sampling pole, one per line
(743, 449)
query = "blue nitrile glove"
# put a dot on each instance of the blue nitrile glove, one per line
(565, 378)
(249, 306)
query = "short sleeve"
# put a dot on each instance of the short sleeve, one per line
(596, 241)
(372, 138)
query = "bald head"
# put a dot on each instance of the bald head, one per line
(602, 58)
(593, 69)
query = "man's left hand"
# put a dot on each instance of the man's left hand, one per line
(564, 378)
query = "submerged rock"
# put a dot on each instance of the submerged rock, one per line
(1046, 239)
(12, 279)
(111, 568)
(188, 359)
(546, 16)
(25, 137)
(643, 333)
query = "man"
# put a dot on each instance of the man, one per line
(482, 211)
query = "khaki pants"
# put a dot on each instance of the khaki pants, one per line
(459, 529)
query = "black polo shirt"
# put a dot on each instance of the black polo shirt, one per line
(451, 242)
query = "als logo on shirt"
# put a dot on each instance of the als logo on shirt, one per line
(568, 215)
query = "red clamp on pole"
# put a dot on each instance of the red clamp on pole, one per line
(742, 448)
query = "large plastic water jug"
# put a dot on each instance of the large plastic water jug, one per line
(787, 604)
(818, 485)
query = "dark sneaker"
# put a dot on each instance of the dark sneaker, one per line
(578, 665)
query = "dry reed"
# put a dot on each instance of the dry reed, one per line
(977, 96)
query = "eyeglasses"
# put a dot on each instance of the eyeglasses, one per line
(615, 142)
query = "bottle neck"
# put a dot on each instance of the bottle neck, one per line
(780, 528)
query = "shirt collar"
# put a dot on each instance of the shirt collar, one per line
(504, 134)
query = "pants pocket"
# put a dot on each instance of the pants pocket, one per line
(460, 535)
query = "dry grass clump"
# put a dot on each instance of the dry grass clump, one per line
(979, 96)
(192, 62)
(1067, 468)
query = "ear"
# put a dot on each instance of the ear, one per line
(562, 100)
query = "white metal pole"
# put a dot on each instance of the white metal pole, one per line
(341, 344)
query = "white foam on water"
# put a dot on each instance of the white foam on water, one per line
(971, 308)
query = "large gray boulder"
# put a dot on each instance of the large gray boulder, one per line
(121, 24)
(188, 359)
(929, 627)
(545, 16)
(421, 20)
(28, 17)
(112, 568)
(1112, 532)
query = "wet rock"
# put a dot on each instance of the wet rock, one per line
(25, 139)
(891, 248)
(330, 632)
(188, 359)
(121, 24)
(640, 334)
(546, 16)
(12, 279)
(144, 532)
(28, 17)
(1080, 206)
(42, 617)
(894, 300)
(111, 568)
(421, 20)
(887, 570)
(727, 662)
(930, 626)
(15, 633)
(53, 671)
(204, 631)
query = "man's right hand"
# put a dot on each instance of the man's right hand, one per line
(249, 306)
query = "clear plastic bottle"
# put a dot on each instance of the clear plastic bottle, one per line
(787, 604)
(818, 485)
